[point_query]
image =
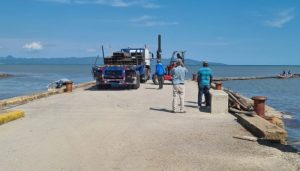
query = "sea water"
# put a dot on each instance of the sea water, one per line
(282, 94)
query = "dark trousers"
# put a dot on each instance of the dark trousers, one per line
(160, 81)
(203, 90)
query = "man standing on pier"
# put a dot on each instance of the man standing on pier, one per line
(178, 76)
(204, 82)
(160, 71)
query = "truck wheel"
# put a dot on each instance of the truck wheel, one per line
(146, 76)
(137, 85)
(148, 73)
(100, 86)
(143, 78)
(155, 79)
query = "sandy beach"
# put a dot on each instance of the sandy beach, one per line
(90, 129)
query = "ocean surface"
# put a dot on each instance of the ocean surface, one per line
(283, 94)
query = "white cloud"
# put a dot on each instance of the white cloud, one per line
(214, 43)
(149, 21)
(281, 18)
(33, 46)
(159, 23)
(141, 18)
(113, 3)
(151, 5)
(121, 3)
(57, 1)
(141, 21)
(91, 50)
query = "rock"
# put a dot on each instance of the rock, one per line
(2, 75)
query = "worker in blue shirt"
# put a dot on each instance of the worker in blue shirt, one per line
(204, 82)
(160, 72)
(178, 77)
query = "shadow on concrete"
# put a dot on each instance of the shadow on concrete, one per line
(192, 106)
(277, 145)
(161, 109)
(205, 109)
(194, 102)
(95, 88)
(191, 102)
(169, 83)
(152, 88)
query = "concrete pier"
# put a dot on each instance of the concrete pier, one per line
(90, 129)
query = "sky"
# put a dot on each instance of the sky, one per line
(239, 32)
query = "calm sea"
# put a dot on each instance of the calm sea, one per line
(283, 94)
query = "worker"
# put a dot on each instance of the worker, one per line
(180, 57)
(160, 72)
(178, 77)
(204, 82)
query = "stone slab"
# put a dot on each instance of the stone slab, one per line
(219, 101)
(262, 128)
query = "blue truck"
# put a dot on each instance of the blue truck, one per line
(128, 67)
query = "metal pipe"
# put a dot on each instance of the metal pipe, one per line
(159, 43)
(102, 51)
(158, 53)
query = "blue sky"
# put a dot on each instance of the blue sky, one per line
(228, 31)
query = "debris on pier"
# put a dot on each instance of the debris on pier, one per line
(256, 77)
(269, 127)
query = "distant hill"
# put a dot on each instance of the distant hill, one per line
(196, 62)
(189, 62)
(76, 61)
(48, 61)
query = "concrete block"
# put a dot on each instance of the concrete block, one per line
(262, 128)
(10, 116)
(219, 101)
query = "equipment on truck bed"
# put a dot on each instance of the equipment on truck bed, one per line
(176, 55)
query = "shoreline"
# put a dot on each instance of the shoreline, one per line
(19, 100)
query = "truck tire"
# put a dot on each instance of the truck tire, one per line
(146, 76)
(137, 85)
(103, 86)
(100, 86)
(143, 78)
(155, 79)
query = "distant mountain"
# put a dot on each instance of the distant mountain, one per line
(49, 61)
(196, 62)
(190, 62)
(77, 61)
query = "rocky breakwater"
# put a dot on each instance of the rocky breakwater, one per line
(3, 75)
